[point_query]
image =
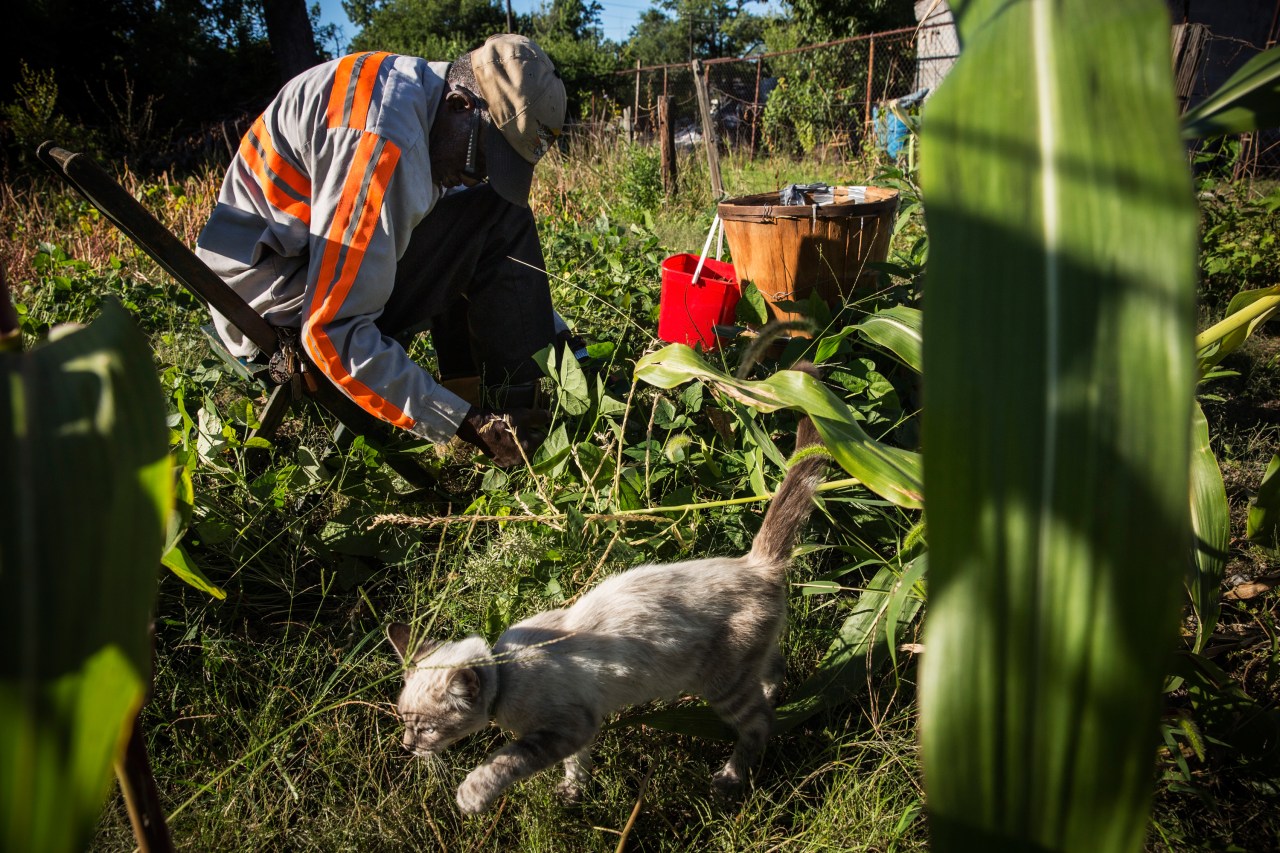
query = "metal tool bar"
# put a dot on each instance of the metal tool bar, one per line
(150, 235)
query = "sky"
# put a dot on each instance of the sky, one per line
(617, 19)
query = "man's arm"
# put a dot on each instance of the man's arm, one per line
(366, 201)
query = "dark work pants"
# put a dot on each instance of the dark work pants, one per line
(474, 271)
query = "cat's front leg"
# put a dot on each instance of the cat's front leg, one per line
(518, 760)
(577, 773)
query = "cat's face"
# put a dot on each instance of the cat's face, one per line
(439, 707)
(442, 700)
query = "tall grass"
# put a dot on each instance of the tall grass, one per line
(272, 722)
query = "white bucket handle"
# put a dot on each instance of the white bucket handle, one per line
(706, 247)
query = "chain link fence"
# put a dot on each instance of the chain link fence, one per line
(829, 98)
(822, 97)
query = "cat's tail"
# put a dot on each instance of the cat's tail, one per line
(793, 502)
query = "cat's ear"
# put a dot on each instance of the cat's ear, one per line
(398, 633)
(464, 685)
(400, 636)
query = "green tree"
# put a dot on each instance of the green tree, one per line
(569, 31)
(572, 18)
(189, 61)
(809, 21)
(438, 30)
(680, 30)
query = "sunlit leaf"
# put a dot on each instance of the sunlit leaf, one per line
(897, 329)
(888, 471)
(178, 561)
(87, 490)
(1264, 510)
(1247, 310)
(1056, 422)
(573, 393)
(1211, 523)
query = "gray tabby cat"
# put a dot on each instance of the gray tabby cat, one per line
(708, 627)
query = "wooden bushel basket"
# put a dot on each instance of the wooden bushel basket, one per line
(790, 251)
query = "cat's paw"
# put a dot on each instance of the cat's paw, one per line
(473, 797)
(727, 782)
(569, 793)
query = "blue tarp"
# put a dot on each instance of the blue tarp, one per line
(891, 132)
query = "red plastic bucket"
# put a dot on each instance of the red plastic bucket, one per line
(687, 311)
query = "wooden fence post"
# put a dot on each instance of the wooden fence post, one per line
(667, 139)
(708, 130)
(755, 108)
(871, 65)
(635, 113)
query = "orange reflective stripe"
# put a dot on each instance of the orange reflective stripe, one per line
(338, 97)
(364, 90)
(352, 91)
(282, 168)
(354, 224)
(274, 193)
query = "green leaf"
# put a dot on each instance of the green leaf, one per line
(1248, 101)
(178, 561)
(902, 594)
(83, 512)
(694, 720)
(1211, 522)
(890, 472)
(552, 456)
(829, 345)
(897, 329)
(1264, 510)
(1228, 715)
(573, 392)
(1247, 310)
(860, 648)
(1056, 422)
(752, 307)
(184, 500)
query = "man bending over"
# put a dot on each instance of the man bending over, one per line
(378, 195)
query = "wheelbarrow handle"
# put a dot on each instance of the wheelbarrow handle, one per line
(150, 235)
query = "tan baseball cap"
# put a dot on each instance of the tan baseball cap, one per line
(526, 102)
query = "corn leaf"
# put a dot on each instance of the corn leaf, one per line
(178, 561)
(1211, 523)
(1248, 101)
(1247, 310)
(864, 643)
(890, 472)
(897, 329)
(1264, 510)
(1056, 422)
(87, 487)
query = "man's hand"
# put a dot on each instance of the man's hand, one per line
(507, 437)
